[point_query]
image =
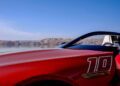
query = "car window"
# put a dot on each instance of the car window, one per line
(93, 40)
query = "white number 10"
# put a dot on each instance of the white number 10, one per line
(99, 64)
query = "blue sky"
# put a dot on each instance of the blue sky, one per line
(37, 19)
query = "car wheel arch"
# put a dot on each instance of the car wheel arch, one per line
(46, 78)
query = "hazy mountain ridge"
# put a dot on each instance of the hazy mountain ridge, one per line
(48, 42)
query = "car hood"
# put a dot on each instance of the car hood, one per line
(42, 55)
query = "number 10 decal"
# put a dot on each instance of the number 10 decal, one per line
(99, 64)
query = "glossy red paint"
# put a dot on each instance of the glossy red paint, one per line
(56, 64)
(117, 59)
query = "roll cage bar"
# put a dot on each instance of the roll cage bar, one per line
(90, 34)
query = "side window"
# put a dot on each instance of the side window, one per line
(93, 40)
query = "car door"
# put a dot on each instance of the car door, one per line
(97, 70)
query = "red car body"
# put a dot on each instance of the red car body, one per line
(72, 67)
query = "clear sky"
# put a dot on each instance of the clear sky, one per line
(36, 19)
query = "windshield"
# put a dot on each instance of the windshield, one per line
(100, 38)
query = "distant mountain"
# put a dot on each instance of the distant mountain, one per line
(48, 42)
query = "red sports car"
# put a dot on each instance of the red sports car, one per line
(92, 59)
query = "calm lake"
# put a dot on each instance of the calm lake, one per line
(17, 49)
